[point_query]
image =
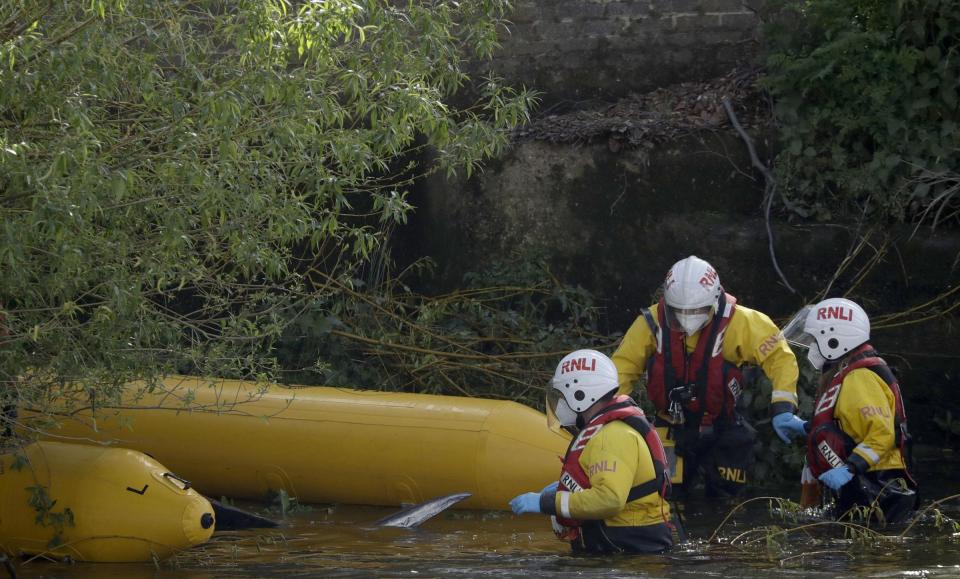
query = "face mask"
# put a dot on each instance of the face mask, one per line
(815, 357)
(565, 414)
(691, 323)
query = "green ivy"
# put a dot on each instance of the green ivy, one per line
(866, 96)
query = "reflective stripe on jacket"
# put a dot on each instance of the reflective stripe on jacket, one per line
(868, 408)
(609, 461)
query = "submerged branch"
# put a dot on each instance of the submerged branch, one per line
(925, 509)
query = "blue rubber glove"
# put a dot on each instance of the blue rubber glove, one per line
(526, 503)
(551, 488)
(836, 477)
(788, 425)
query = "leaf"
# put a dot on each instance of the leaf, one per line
(326, 324)
(176, 163)
(19, 462)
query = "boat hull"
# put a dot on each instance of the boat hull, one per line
(332, 445)
(96, 504)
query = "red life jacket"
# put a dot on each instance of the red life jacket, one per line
(574, 479)
(714, 380)
(828, 446)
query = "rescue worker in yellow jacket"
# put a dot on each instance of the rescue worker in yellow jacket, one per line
(611, 494)
(691, 346)
(858, 434)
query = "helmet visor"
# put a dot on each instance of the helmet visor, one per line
(559, 414)
(688, 320)
(794, 333)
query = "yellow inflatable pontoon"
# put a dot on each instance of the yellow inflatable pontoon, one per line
(96, 504)
(331, 445)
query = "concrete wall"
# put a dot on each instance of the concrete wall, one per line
(614, 222)
(614, 218)
(574, 50)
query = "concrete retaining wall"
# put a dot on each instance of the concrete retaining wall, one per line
(574, 50)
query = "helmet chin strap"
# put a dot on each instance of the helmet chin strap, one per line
(565, 414)
(587, 415)
(815, 357)
(818, 361)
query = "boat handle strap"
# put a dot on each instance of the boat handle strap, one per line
(186, 483)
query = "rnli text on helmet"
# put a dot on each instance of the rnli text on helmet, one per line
(835, 313)
(709, 278)
(578, 364)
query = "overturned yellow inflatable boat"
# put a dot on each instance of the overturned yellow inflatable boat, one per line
(96, 504)
(331, 445)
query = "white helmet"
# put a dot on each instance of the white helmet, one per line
(581, 379)
(837, 326)
(691, 291)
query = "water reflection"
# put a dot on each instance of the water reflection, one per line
(340, 542)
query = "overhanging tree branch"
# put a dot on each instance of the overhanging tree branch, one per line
(769, 187)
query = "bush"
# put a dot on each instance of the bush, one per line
(866, 96)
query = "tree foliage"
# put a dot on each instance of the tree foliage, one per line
(172, 172)
(866, 93)
(499, 335)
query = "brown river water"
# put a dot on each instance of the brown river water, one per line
(340, 541)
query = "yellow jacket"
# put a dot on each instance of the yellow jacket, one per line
(615, 459)
(751, 338)
(865, 412)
